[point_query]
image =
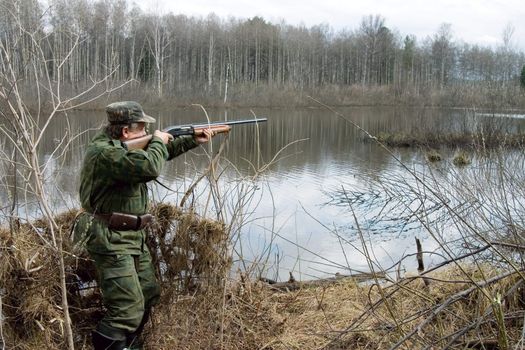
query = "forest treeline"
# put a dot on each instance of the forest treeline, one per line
(253, 61)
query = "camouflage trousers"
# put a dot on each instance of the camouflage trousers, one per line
(129, 287)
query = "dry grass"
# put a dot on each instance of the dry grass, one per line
(31, 286)
(253, 316)
(190, 251)
(203, 307)
(338, 316)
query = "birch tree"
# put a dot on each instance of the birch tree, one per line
(442, 53)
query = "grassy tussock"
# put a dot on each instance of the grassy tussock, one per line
(433, 156)
(192, 251)
(461, 158)
(31, 286)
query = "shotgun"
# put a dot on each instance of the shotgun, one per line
(190, 129)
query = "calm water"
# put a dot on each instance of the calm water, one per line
(308, 182)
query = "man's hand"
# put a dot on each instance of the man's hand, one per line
(208, 134)
(203, 138)
(166, 138)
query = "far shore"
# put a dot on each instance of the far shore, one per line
(264, 96)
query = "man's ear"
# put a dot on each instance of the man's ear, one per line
(125, 132)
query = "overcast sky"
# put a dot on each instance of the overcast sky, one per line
(473, 21)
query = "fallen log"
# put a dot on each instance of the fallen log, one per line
(292, 284)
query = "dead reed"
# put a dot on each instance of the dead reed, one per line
(451, 312)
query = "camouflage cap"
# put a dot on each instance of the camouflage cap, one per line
(126, 112)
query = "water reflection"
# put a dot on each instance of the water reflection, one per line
(297, 220)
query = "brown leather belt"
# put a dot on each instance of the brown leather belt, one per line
(125, 222)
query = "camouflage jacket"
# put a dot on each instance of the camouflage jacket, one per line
(114, 179)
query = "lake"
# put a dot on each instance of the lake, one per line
(308, 190)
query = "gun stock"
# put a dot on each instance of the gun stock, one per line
(191, 129)
(138, 143)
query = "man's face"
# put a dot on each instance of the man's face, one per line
(129, 133)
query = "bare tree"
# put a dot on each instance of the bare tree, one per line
(370, 31)
(187, 56)
(442, 53)
(32, 95)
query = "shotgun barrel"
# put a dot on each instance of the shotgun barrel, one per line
(191, 129)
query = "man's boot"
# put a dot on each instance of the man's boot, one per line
(103, 342)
